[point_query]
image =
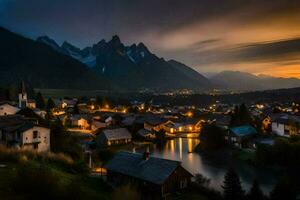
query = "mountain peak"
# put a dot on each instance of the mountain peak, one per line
(116, 39)
(101, 42)
(66, 45)
(48, 41)
(142, 46)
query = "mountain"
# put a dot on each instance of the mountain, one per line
(235, 80)
(189, 72)
(134, 67)
(41, 66)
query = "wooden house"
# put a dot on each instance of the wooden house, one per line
(241, 136)
(115, 136)
(156, 178)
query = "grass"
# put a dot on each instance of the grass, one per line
(91, 187)
(246, 155)
(64, 170)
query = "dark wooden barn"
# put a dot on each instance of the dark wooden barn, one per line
(154, 177)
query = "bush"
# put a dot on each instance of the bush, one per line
(212, 137)
(201, 180)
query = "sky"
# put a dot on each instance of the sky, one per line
(256, 36)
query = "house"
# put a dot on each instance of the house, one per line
(155, 123)
(17, 131)
(129, 120)
(264, 142)
(40, 113)
(146, 134)
(31, 104)
(286, 125)
(98, 125)
(81, 121)
(8, 109)
(115, 136)
(67, 103)
(241, 136)
(183, 125)
(154, 177)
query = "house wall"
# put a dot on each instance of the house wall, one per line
(7, 109)
(119, 141)
(42, 139)
(178, 180)
(82, 123)
(278, 129)
(31, 105)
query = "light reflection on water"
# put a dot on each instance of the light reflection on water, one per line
(181, 149)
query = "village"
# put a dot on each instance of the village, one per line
(103, 127)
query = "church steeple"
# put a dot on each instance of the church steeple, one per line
(23, 88)
(22, 95)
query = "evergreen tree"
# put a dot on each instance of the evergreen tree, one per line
(232, 186)
(7, 95)
(50, 104)
(76, 109)
(255, 192)
(240, 116)
(284, 189)
(40, 101)
(212, 137)
(244, 115)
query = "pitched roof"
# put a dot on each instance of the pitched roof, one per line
(154, 170)
(286, 119)
(11, 123)
(144, 132)
(8, 103)
(245, 130)
(116, 134)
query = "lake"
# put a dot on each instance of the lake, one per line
(181, 149)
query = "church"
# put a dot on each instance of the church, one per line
(8, 108)
(23, 98)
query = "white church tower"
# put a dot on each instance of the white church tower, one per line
(22, 96)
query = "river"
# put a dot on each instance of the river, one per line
(181, 149)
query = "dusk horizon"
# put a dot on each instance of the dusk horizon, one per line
(249, 36)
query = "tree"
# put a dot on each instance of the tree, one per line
(40, 101)
(255, 192)
(232, 186)
(76, 109)
(50, 104)
(160, 137)
(212, 137)
(240, 116)
(63, 142)
(284, 189)
(244, 115)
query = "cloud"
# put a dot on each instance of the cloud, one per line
(209, 35)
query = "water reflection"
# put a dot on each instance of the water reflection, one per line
(181, 149)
